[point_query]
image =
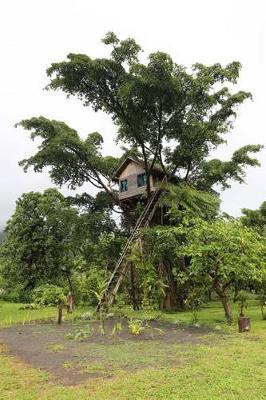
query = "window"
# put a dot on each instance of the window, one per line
(141, 180)
(123, 186)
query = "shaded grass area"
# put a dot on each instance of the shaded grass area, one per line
(223, 366)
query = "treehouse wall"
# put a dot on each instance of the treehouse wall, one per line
(131, 169)
(130, 174)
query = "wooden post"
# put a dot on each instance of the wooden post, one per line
(60, 313)
(243, 324)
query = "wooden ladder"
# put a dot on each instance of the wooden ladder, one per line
(121, 266)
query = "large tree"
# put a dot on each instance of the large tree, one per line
(41, 240)
(169, 115)
(222, 255)
(207, 255)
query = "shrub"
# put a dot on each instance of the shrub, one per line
(49, 295)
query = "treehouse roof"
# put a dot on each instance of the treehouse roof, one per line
(157, 171)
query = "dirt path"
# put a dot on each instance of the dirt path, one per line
(47, 347)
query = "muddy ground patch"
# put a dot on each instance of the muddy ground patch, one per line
(76, 351)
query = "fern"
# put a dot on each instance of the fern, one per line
(185, 199)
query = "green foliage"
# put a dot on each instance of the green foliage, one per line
(223, 254)
(13, 293)
(80, 335)
(30, 306)
(184, 201)
(161, 265)
(135, 327)
(206, 255)
(195, 300)
(172, 118)
(2, 236)
(152, 104)
(255, 219)
(49, 295)
(40, 240)
(86, 316)
(242, 299)
(74, 161)
(151, 285)
(86, 285)
(117, 329)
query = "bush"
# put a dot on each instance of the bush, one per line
(87, 316)
(49, 295)
(30, 306)
(17, 294)
(87, 285)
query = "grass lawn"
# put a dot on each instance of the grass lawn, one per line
(223, 365)
(10, 314)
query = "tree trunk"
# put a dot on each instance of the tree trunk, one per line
(223, 297)
(60, 313)
(169, 302)
(134, 289)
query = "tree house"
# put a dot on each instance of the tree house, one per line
(132, 179)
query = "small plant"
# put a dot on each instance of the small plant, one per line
(101, 328)
(242, 299)
(102, 311)
(195, 301)
(80, 335)
(48, 295)
(68, 365)
(117, 329)
(86, 316)
(56, 347)
(135, 327)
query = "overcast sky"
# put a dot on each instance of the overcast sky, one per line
(36, 33)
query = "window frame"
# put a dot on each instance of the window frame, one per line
(142, 177)
(123, 186)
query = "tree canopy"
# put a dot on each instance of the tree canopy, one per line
(40, 239)
(208, 255)
(255, 219)
(171, 116)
